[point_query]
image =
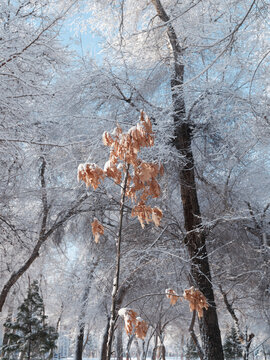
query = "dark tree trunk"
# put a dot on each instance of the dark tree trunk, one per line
(81, 322)
(195, 240)
(103, 354)
(154, 353)
(79, 343)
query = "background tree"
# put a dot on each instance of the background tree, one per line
(191, 350)
(29, 335)
(232, 346)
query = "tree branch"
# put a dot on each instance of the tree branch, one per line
(194, 337)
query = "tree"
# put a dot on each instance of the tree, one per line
(232, 346)
(31, 58)
(191, 350)
(137, 180)
(188, 83)
(29, 334)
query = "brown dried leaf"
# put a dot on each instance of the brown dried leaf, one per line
(143, 212)
(97, 229)
(156, 215)
(112, 171)
(129, 318)
(141, 328)
(91, 174)
(172, 295)
(197, 301)
(107, 139)
(154, 189)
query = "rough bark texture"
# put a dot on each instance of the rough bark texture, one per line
(195, 240)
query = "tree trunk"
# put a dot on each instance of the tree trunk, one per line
(138, 351)
(129, 343)
(154, 353)
(103, 353)
(161, 347)
(79, 342)
(113, 314)
(120, 297)
(119, 344)
(195, 240)
(182, 347)
(81, 322)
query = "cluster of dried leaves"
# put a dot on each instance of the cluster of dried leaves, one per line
(133, 323)
(141, 182)
(197, 301)
(91, 174)
(172, 295)
(97, 229)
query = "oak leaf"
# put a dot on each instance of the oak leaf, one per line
(156, 215)
(141, 328)
(97, 229)
(143, 212)
(197, 301)
(111, 170)
(130, 317)
(172, 295)
(91, 174)
(107, 139)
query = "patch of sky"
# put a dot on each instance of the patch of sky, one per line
(80, 38)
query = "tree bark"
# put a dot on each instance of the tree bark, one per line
(195, 239)
(81, 322)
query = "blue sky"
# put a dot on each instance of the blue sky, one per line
(84, 43)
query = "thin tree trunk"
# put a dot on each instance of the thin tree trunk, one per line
(182, 348)
(138, 351)
(154, 353)
(195, 239)
(129, 343)
(144, 352)
(103, 353)
(119, 343)
(194, 337)
(113, 314)
(120, 297)
(81, 322)
(162, 349)
(79, 342)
